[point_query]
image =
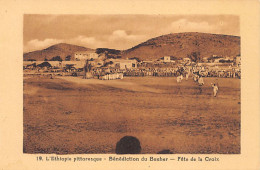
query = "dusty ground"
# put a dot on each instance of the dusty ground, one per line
(72, 115)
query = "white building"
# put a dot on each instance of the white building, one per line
(85, 55)
(166, 59)
(205, 59)
(124, 63)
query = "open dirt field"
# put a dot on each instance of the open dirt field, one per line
(68, 115)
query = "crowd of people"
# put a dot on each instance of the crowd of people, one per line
(195, 72)
(177, 71)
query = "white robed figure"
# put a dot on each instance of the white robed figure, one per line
(215, 89)
(201, 81)
(187, 75)
(179, 78)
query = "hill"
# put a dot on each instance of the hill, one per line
(179, 45)
(61, 50)
(182, 44)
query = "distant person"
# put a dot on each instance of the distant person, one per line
(178, 79)
(187, 76)
(195, 78)
(181, 77)
(201, 81)
(215, 89)
(128, 145)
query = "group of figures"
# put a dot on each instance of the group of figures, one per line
(196, 72)
(198, 79)
(111, 76)
(176, 71)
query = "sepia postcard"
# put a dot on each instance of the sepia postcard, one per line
(130, 85)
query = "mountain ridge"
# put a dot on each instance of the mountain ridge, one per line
(60, 49)
(179, 45)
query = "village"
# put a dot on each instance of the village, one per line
(89, 64)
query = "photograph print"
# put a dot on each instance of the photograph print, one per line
(131, 84)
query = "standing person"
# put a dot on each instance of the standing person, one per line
(181, 77)
(187, 75)
(195, 78)
(215, 89)
(178, 79)
(200, 81)
(51, 76)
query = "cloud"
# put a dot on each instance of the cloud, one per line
(36, 44)
(118, 39)
(90, 42)
(184, 25)
(122, 35)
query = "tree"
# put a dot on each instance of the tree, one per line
(195, 56)
(213, 58)
(225, 61)
(135, 58)
(57, 58)
(108, 50)
(68, 58)
(44, 64)
(108, 63)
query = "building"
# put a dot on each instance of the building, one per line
(205, 59)
(85, 55)
(124, 63)
(147, 61)
(166, 59)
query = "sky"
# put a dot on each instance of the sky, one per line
(117, 31)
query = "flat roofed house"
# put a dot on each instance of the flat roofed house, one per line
(85, 55)
(166, 59)
(125, 64)
(205, 59)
